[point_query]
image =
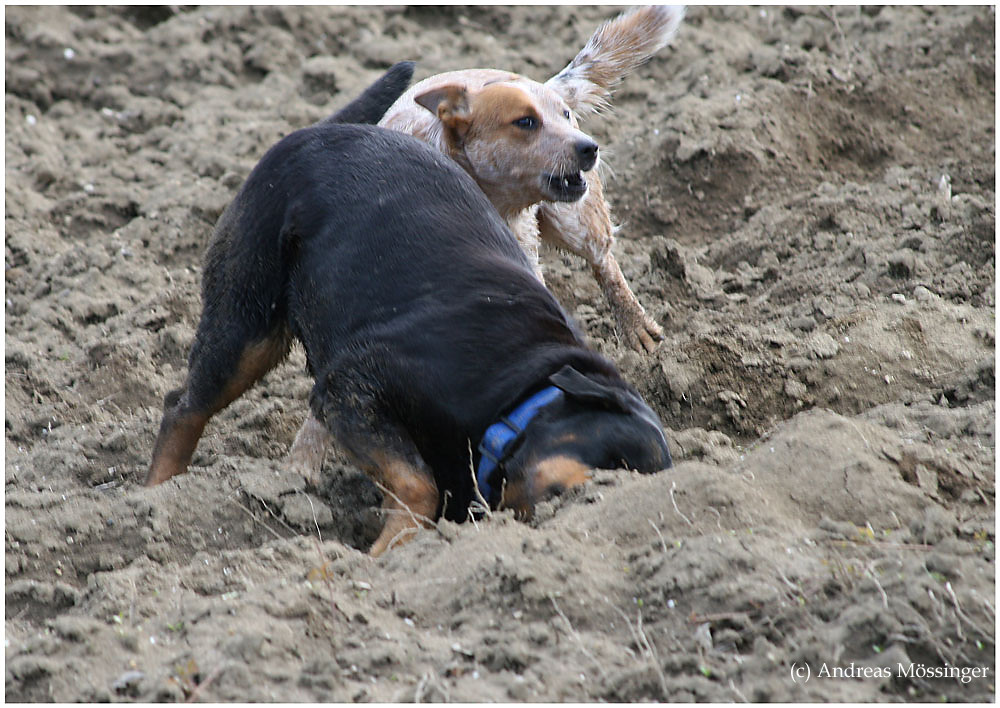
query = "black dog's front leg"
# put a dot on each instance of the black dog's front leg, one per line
(363, 428)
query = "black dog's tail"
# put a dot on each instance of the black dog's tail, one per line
(371, 105)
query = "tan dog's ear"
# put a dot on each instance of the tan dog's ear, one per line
(451, 105)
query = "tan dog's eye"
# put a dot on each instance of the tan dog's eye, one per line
(566, 114)
(527, 123)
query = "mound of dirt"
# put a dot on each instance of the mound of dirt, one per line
(807, 200)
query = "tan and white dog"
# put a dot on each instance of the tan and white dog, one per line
(521, 142)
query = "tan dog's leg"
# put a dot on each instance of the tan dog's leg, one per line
(309, 449)
(584, 228)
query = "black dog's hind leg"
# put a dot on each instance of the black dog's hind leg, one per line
(223, 366)
(242, 334)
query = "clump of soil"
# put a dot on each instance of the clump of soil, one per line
(807, 199)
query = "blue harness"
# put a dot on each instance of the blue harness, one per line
(500, 435)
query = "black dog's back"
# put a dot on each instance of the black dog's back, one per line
(256, 221)
(422, 264)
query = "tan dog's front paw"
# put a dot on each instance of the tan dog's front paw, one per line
(644, 335)
(640, 331)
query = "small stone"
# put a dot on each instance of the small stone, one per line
(795, 389)
(824, 346)
(922, 294)
(799, 364)
(804, 323)
(899, 297)
(824, 308)
(519, 691)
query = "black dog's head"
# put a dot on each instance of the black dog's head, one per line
(597, 423)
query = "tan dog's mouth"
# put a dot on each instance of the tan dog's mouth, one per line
(565, 187)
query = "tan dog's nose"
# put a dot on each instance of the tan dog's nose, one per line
(586, 153)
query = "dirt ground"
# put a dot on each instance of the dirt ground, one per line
(807, 200)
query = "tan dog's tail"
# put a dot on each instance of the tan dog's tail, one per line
(615, 49)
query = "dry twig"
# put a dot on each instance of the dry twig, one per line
(673, 486)
(479, 505)
(204, 684)
(658, 533)
(576, 637)
(643, 643)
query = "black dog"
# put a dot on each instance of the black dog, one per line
(424, 327)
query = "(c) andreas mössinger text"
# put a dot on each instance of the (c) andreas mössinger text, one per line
(964, 674)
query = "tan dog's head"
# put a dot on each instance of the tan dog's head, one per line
(517, 138)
